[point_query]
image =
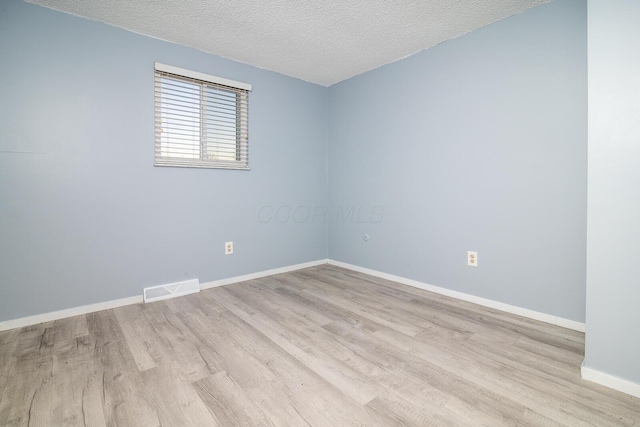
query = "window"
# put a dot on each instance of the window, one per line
(201, 121)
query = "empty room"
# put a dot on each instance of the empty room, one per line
(319, 213)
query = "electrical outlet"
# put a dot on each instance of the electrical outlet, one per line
(228, 248)
(472, 258)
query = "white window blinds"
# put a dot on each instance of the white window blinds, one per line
(200, 120)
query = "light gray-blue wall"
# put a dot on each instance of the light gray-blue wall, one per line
(613, 281)
(85, 217)
(476, 144)
(479, 143)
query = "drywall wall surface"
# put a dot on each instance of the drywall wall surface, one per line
(613, 285)
(478, 144)
(85, 217)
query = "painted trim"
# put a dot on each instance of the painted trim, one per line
(69, 312)
(236, 279)
(91, 308)
(76, 311)
(610, 381)
(536, 315)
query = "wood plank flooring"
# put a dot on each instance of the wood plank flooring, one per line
(322, 346)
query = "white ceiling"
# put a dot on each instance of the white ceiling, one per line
(322, 42)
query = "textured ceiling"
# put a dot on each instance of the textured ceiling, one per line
(322, 42)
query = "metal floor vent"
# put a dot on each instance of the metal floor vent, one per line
(172, 290)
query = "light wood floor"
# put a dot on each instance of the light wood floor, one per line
(322, 346)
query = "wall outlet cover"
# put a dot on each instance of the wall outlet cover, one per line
(472, 258)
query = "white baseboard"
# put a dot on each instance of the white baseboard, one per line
(610, 381)
(76, 311)
(236, 279)
(91, 308)
(69, 312)
(531, 314)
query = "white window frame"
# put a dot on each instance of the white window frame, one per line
(198, 138)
